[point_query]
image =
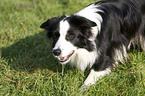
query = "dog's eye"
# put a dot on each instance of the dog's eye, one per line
(69, 37)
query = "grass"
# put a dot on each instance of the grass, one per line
(28, 69)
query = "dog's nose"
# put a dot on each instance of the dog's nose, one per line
(57, 52)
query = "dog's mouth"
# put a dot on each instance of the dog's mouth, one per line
(64, 60)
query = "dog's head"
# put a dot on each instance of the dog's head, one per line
(69, 34)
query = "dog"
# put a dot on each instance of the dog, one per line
(99, 36)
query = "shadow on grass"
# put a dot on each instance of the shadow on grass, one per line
(30, 54)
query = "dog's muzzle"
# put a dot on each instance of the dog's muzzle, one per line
(65, 59)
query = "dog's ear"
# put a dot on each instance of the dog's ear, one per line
(50, 25)
(46, 25)
(63, 16)
(83, 24)
(81, 21)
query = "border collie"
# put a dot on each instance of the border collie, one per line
(98, 36)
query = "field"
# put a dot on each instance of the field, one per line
(27, 67)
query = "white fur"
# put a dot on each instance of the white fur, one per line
(95, 75)
(83, 59)
(143, 44)
(142, 41)
(120, 54)
(90, 13)
(65, 46)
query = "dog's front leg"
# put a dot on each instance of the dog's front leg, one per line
(94, 76)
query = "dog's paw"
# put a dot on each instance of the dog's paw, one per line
(83, 88)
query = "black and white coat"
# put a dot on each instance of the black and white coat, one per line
(98, 36)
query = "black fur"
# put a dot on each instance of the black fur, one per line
(122, 21)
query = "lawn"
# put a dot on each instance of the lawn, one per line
(27, 67)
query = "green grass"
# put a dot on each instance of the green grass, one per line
(28, 69)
